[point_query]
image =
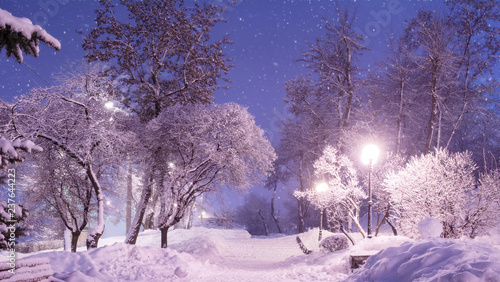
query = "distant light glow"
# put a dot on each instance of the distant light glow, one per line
(370, 154)
(321, 187)
(109, 105)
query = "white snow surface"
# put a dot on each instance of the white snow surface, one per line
(430, 228)
(433, 260)
(202, 254)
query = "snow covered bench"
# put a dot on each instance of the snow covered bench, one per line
(27, 270)
(358, 260)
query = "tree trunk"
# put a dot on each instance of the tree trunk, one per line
(400, 117)
(440, 119)
(301, 227)
(140, 211)
(266, 228)
(94, 236)
(164, 233)
(434, 109)
(346, 234)
(355, 218)
(432, 124)
(128, 216)
(74, 240)
(148, 221)
(394, 230)
(386, 215)
(272, 209)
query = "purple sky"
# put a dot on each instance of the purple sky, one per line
(268, 37)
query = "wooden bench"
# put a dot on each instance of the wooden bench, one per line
(27, 270)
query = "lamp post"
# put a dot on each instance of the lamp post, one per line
(370, 154)
(320, 188)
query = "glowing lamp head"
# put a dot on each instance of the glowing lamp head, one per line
(321, 187)
(370, 154)
(109, 105)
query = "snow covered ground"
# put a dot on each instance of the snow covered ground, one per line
(202, 254)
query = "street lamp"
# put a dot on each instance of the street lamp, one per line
(370, 155)
(320, 188)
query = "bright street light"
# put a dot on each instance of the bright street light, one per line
(109, 105)
(370, 155)
(320, 188)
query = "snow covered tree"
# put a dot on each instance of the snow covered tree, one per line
(73, 117)
(334, 59)
(184, 64)
(10, 152)
(343, 195)
(443, 185)
(225, 218)
(12, 216)
(63, 185)
(481, 214)
(477, 42)
(197, 149)
(442, 65)
(254, 215)
(382, 203)
(322, 103)
(279, 175)
(18, 35)
(429, 38)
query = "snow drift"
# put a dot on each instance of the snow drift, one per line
(433, 260)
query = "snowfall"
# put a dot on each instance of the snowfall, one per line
(205, 254)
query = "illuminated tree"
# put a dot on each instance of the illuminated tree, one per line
(199, 149)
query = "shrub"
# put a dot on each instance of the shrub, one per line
(334, 243)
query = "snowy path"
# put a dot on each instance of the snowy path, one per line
(260, 250)
(241, 258)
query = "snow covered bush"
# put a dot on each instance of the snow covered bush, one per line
(334, 243)
(443, 185)
(20, 34)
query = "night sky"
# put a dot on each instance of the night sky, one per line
(268, 36)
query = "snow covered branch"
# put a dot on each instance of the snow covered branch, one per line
(19, 35)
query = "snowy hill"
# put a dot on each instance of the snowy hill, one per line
(202, 254)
